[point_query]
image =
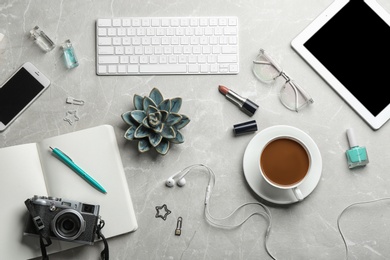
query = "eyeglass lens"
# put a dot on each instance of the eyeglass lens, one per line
(264, 70)
(292, 97)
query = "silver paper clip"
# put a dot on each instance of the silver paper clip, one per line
(74, 101)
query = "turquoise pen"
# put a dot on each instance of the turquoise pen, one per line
(69, 162)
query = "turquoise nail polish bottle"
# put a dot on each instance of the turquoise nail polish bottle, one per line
(356, 155)
(69, 54)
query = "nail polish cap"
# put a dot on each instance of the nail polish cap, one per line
(351, 138)
(245, 128)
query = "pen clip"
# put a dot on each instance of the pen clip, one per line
(64, 154)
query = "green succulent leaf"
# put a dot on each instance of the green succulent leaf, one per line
(142, 132)
(156, 96)
(168, 132)
(163, 147)
(176, 104)
(148, 102)
(155, 139)
(143, 145)
(154, 119)
(138, 102)
(158, 128)
(164, 115)
(129, 134)
(151, 109)
(128, 119)
(138, 115)
(173, 118)
(183, 122)
(178, 139)
(165, 105)
(145, 122)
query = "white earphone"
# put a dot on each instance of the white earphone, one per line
(171, 181)
(178, 178)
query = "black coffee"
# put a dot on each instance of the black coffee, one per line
(284, 162)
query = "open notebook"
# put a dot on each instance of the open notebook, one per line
(31, 169)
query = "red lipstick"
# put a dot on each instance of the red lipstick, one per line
(246, 105)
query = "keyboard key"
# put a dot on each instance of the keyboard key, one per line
(102, 69)
(229, 49)
(121, 69)
(108, 59)
(104, 41)
(132, 68)
(193, 68)
(104, 22)
(106, 50)
(112, 68)
(167, 68)
(102, 31)
(227, 58)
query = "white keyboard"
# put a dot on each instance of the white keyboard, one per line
(167, 45)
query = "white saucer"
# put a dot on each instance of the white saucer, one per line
(251, 165)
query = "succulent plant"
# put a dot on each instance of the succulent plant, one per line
(155, 122)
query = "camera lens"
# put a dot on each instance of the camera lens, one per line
(68, 224)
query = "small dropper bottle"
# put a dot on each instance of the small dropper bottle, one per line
(356, 155)
(69, 55)
(41, 39)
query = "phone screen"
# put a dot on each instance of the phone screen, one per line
(17, 93)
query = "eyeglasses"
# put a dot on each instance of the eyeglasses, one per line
(292, 96)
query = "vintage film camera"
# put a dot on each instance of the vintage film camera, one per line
(64, 219)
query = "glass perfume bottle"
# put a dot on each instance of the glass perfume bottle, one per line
(69, 55)
(356, 155)
(41, 39)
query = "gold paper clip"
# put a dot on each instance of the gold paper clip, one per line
(178, 226)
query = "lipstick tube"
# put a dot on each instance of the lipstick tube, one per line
(246, 105)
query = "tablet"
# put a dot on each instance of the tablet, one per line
(348, 45)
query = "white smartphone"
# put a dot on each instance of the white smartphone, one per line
(19, 92)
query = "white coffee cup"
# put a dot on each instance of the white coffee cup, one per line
(285, 163)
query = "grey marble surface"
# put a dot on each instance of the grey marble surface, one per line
(305, 230)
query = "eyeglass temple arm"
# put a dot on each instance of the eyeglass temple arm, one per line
(268, 61)
(298, 88)
(262, 62)
(274, 63)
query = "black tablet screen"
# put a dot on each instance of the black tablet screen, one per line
(354, 46)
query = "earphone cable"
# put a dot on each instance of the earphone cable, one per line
(212, 220)
(344, 210)
(266, 235)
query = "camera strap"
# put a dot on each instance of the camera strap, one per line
(44, 238)
(104, 255)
